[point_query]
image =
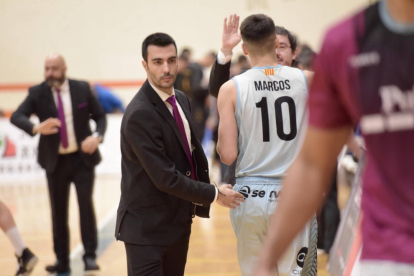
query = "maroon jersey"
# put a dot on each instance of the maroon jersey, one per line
(365, 74)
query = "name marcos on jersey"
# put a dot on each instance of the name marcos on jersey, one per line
(272, 85)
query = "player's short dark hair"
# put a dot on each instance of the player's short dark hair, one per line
(258, 32)
(157, 39)
(292, 39)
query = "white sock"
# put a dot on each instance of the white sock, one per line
(16, 240)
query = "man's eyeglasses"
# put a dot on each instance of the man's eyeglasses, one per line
(283, 47)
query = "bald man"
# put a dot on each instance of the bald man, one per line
(68, 151)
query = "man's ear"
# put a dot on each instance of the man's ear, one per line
(277, 43)
(295, 54)
(145, 65)
(244, 49)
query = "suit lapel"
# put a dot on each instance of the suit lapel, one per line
(74, 99)
(188, 115)
(49, 101)
(163, 111)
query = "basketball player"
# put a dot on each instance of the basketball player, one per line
(262, 120)
(25, 258)
(364, 74)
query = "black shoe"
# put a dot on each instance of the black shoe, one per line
(26, 262)
(58, 267)
(90, 265)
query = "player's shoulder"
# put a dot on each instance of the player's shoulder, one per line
(37, 88)
(292, 73)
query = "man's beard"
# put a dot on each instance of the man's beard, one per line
(55, 82)
(159, 83)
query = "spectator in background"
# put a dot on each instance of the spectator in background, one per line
(241, 66)
(25, 258)
(287, 50)
(329, 216)
(68, 151)
(306, 57)
(192, 79)
(244, 63)
(110, 103)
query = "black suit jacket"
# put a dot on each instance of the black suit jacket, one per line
(157, 192)
(218, 76)
(41, 103)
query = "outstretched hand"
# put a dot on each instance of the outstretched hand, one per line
(229, 198)
(231, 36)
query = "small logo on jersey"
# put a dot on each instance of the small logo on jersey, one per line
(300, 259)
(365, 59)
(396, 112)
(269, 72)
(245, 191)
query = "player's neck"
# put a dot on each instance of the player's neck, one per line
(266, 60)
(401, 11)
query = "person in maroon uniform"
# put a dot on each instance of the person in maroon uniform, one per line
(364, 74)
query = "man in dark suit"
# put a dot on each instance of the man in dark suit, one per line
(165, 178)
(68, 151)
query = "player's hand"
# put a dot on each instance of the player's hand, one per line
(229, 198)
(90, 144)
(47, 127)
(231, 36)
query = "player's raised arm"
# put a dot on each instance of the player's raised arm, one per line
(307, 179)
(227, 139)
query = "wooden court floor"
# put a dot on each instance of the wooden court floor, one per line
(212, 246)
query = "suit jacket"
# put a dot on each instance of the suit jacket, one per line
(41, 103)
(158, 195)
(218, 76)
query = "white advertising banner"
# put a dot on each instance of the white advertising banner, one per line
(18, 152)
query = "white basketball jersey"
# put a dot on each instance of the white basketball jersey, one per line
(271, 119)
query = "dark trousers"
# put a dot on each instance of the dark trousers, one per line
(329, 218)
(153, 260)
(70, 168)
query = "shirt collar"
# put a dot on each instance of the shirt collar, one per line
(164, 96)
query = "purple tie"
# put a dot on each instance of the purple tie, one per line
(180, 124)
(61, 114)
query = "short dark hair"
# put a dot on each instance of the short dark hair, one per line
(292, 39)
(157, 39)
(306, 57)
(259, 31)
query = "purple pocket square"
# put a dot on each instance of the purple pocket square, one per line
(82, 104)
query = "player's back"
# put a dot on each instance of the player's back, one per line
(270, 114)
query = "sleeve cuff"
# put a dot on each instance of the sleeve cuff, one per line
(222, 59)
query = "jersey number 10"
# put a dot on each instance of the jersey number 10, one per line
(279, 119)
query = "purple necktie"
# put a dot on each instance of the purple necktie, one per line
(61, 114)
(180, 124)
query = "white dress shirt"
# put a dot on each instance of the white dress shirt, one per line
(67, 107)
(164, 96)
(222, 59)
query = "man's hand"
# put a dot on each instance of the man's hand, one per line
(47, 127)
(227, 197)
(231, 36)
(90, 144)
